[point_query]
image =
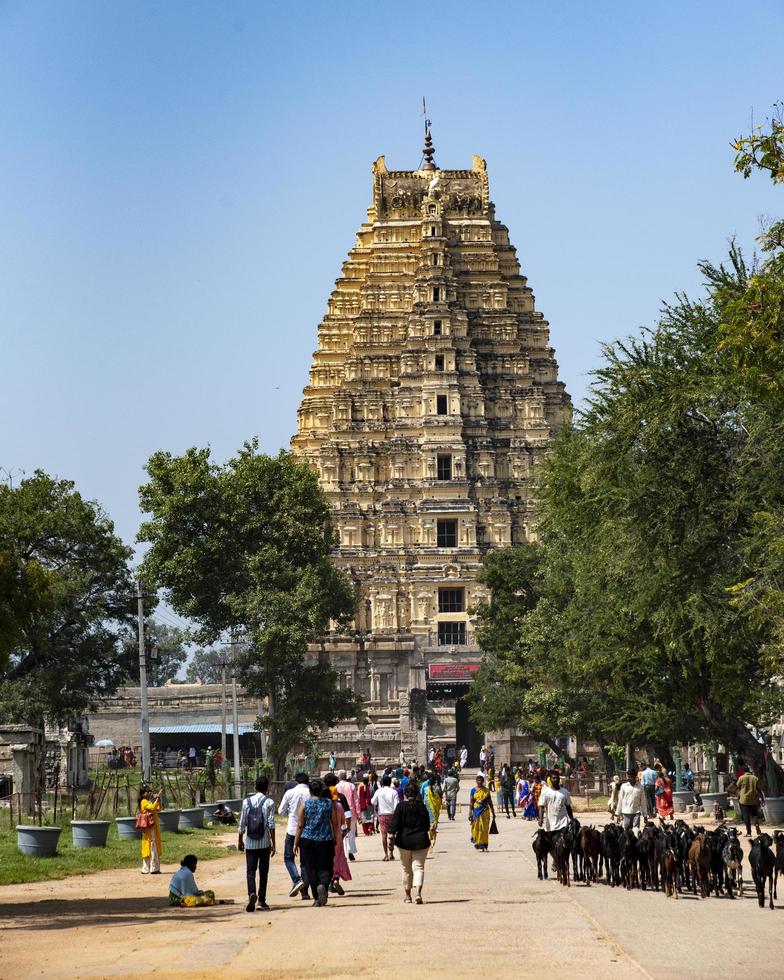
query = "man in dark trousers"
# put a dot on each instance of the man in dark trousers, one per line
(508, 789)
(257, 839)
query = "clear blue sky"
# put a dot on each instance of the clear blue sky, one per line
(180, 182)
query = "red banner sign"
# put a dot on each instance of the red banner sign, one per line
(452, 672)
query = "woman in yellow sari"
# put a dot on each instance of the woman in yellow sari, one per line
(149, 806)
(480, 810)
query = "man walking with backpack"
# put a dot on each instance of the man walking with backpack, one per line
(257, 827)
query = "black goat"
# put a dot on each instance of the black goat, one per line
(732, 856)
(762, 863)
(778, 838)
(562, 844)
(541, 846)
(716, 840)
(610, 854)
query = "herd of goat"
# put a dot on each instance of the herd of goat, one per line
(670, 858)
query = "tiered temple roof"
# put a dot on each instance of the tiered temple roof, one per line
(432, 397)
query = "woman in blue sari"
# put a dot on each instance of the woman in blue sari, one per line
(525, 798)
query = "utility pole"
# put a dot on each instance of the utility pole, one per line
(146, 769)
(234, 642)
(237, 760)
(223, 707)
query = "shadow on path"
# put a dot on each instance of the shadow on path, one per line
(69, 913)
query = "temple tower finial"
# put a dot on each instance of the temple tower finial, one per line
(427, 150)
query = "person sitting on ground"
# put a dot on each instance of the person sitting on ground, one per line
(183, 891)
(224, 814)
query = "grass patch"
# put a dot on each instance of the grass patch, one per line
(16, 868)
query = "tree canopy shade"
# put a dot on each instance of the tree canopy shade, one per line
(246, 547)
(67, 601)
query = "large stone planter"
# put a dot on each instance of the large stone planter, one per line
(708, 799)
(774, 810)
(169, 820)
(235, 805)
(681, 798)
(89, 833)
(191, 818)
(126, 828)
(208, 809)
(37, 841)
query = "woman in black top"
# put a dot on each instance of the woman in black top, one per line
(410, 827)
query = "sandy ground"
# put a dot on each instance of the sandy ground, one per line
(485, 914)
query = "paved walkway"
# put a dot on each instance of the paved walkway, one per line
(485, 914)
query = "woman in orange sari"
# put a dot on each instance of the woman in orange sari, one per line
(664, 802)
(148, 809)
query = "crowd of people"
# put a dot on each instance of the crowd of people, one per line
(121, 758)
(403, 806)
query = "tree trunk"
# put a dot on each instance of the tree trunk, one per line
(607, 759)
(557, 749)
(734, 733)
(663, 753)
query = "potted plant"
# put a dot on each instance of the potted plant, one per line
(169, 820)
(708, 799)
(37, 841)
(208, 809)
(126, 828)
(235, 805)
(191, 818)
(89, 833)
(681, 798)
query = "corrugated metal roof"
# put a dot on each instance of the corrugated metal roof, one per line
(202, 729)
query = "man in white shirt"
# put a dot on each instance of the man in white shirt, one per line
(555, 806)
(631, 801)
(289, 807)
(349, 790)
(385, 800)
(463, 757)
(257, 839)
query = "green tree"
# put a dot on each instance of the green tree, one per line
(659, 577)
(205, 666)
(71, 600)
(171, 644)
(246, 547)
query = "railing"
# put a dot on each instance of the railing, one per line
(467, 640)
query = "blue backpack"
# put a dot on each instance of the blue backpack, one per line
(255, 827)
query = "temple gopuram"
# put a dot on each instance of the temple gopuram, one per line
(432, 397)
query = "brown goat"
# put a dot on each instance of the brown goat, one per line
(699, 863)
(589, 844)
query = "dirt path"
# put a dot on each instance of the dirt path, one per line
(487, 906)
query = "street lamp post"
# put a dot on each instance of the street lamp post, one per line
(146, 768)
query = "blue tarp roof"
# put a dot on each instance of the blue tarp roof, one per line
(208, 729)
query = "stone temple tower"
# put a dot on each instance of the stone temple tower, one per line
(432, 396)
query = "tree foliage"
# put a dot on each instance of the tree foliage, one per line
(205, 666)
(658, 579)
(67, 601)
(246, 547)
(171, 646)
